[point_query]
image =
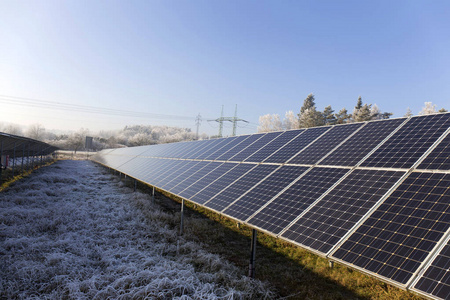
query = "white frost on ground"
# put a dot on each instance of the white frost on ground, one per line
(73, 231)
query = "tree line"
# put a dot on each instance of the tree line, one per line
(309, 116)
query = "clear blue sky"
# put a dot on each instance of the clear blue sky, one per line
(182, 58)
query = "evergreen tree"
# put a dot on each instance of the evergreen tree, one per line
(442, 110)
(309, 116)
(362, 114)
(408, 113)
(328, 116)
(342, 116)
(359, 103)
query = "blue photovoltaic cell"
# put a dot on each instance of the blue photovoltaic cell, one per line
(236, 145)
(295, 145)
(292, 202)
(138, 167)
(324, 144)
(436, 279)
(118, 157)
(240, 186)
(221, 183)
(257, 145)
(199, 147)
(206, 180)
(274, 145)
(214, 146)
(263, 192)
(439, 158)
(174, 176)
(224, 147)
(361, 143)
(409, 143)
(399, 235)
(165, 172)
(193, 177)
(322, 226)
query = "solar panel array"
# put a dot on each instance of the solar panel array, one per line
(374, 196)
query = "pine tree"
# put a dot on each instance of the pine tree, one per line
(442, 110)
(342, 116)
(362, 114)
(309, 116)
(359, 103)
(328, 116)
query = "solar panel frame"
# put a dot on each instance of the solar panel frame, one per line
(439, 157)
(370, 246)
(217, 144)
(340, 209)
(434, 279)
(237, 145)
(409, 143)
(326, 143)
(274, 145)
(189, 166)
(290, 203)
(297, 144)
(265, 139)
(254, 198)
(354, 149)
(192, 178)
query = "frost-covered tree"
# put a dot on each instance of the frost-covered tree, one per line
(329, 118)
(428, 109)
(342, 116)
(12, 129)
(408, 113)
(309, 116)
(290, 120)
(442, 110)
(36, 131)
(269, 123)
(362, 114)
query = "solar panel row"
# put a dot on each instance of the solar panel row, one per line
(374, 196)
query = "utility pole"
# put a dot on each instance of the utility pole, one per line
(198, 121)
(233, 120)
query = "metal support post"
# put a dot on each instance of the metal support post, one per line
(23, 155)
(251, 266)
(153, 195)
(14, 159)
(182, 217)
(135, 185)
(331, 264)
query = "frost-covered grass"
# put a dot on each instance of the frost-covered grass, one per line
(73, 231)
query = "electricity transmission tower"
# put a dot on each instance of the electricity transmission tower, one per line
(233, 120)
(198, 121)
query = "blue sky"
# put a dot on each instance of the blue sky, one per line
(181, 58)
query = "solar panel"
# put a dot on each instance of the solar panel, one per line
(174, 176)
(239, 187)
(435, 281)
(410, 142)
(324, 224)
(267, 150)
(214, 146)
(118, 157)
(250, 202)
(398, 236)
(221, 183)
(295, 145)
(237, 145)
(206, 180)
(324, 144)
(193, 177)
(291, 203)
(361, 143)
(439, 158)
(251, 149)
(198, 149)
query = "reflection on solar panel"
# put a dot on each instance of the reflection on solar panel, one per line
(409, 143)
(264, 140)
(205, 180)
(263, 192)
(273, 146)
(399, 235)
(361, 143)
(295, 145)
(439, 158)
(239, 187)
(291, 203)
(322, 226)
(239, 145)
(374, 196)
(324, 144)
(436, 279)
(221, 183)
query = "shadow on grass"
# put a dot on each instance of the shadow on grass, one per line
(293, 273)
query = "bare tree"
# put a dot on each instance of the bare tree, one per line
(269, 123)
(36, 131)
(290, 120)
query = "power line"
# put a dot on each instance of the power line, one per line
(20, 101)
(233, 120)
